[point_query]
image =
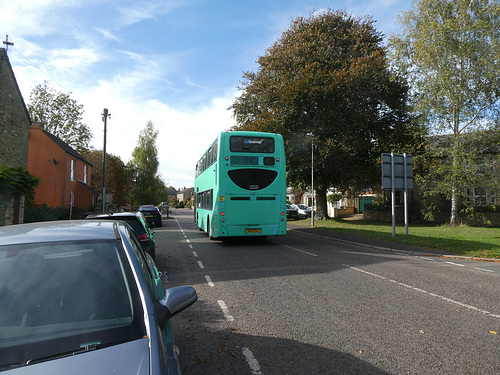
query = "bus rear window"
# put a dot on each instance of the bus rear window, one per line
(252, 144)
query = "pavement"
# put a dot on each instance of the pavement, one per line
(382, 244)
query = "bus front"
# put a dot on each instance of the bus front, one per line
(251, 199)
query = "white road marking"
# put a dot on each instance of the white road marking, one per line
(483, 269)
(464, 305)
(302, 251)
(225, 310)
(190, 246)
(455, 264)
(194, 252)
(200, 264)
(209, 281)
(252, 362)
(425, 258)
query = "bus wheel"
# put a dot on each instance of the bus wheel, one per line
(209, 232)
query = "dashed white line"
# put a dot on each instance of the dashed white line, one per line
(464, 305)
(209, 281)
(195, 254)
(425, 258)
(201, 264)
(302, 251)
(483, 269)
(454, 264)
(190, 246)
(225, 310)
(252, 362)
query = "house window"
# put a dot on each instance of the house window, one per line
(478, 196)
(72, 176)
(85, 174)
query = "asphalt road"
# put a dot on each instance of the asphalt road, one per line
(307, 303)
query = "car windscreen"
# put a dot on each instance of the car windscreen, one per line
(60, 297)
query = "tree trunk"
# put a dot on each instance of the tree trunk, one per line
(454, 161)
(321, 204)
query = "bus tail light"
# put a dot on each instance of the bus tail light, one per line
(222, 217)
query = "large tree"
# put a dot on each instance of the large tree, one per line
(327, 75)
(60, 115)
(449, 51)
(148, 187)
(118, 177)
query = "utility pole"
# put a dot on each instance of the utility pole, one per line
(7, 43)
(105, 116)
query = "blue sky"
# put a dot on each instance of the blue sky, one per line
(177, 63)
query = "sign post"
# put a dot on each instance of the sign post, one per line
(397, 174)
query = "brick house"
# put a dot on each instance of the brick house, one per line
(65, 175)
(14, 134)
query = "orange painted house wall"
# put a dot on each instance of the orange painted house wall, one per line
(49, 161)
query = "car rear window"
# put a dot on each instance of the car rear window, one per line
(136, 225)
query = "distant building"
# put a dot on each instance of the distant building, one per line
(65, 175)
(14, 135)
(185, 195)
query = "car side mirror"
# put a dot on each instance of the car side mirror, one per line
(176, 299)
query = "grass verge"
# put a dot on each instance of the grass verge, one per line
(480, 242)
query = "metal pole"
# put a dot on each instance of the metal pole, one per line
(393, 197)
(104, 118)
(406, 194)
(312, 181)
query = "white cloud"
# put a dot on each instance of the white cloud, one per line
(182, 138)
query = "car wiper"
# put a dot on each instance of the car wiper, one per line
(83, 349)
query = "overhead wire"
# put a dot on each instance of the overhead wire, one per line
(40, 69)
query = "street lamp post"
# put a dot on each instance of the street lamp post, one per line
(312, 176)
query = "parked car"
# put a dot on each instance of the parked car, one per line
(152, 214)
(303, 211)
(138, 223)
(291, 212)
(83, 297)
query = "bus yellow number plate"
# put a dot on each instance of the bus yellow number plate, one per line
(253, 230)
(222, 198)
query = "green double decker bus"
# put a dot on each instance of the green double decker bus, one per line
(240, 186)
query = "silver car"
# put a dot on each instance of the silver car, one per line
(303, 210)
(84, 298)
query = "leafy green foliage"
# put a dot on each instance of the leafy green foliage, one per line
(148, 186)
(118, 176)
(60, 115)
(449, 53)
(18, 180)
(328, 75)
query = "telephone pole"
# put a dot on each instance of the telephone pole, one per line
(105, 116)
(7, 43)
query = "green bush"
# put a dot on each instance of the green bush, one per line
(41, 212)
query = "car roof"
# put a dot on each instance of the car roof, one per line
(57, 231)
(117, 215)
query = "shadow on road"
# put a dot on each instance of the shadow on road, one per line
(207, 350)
